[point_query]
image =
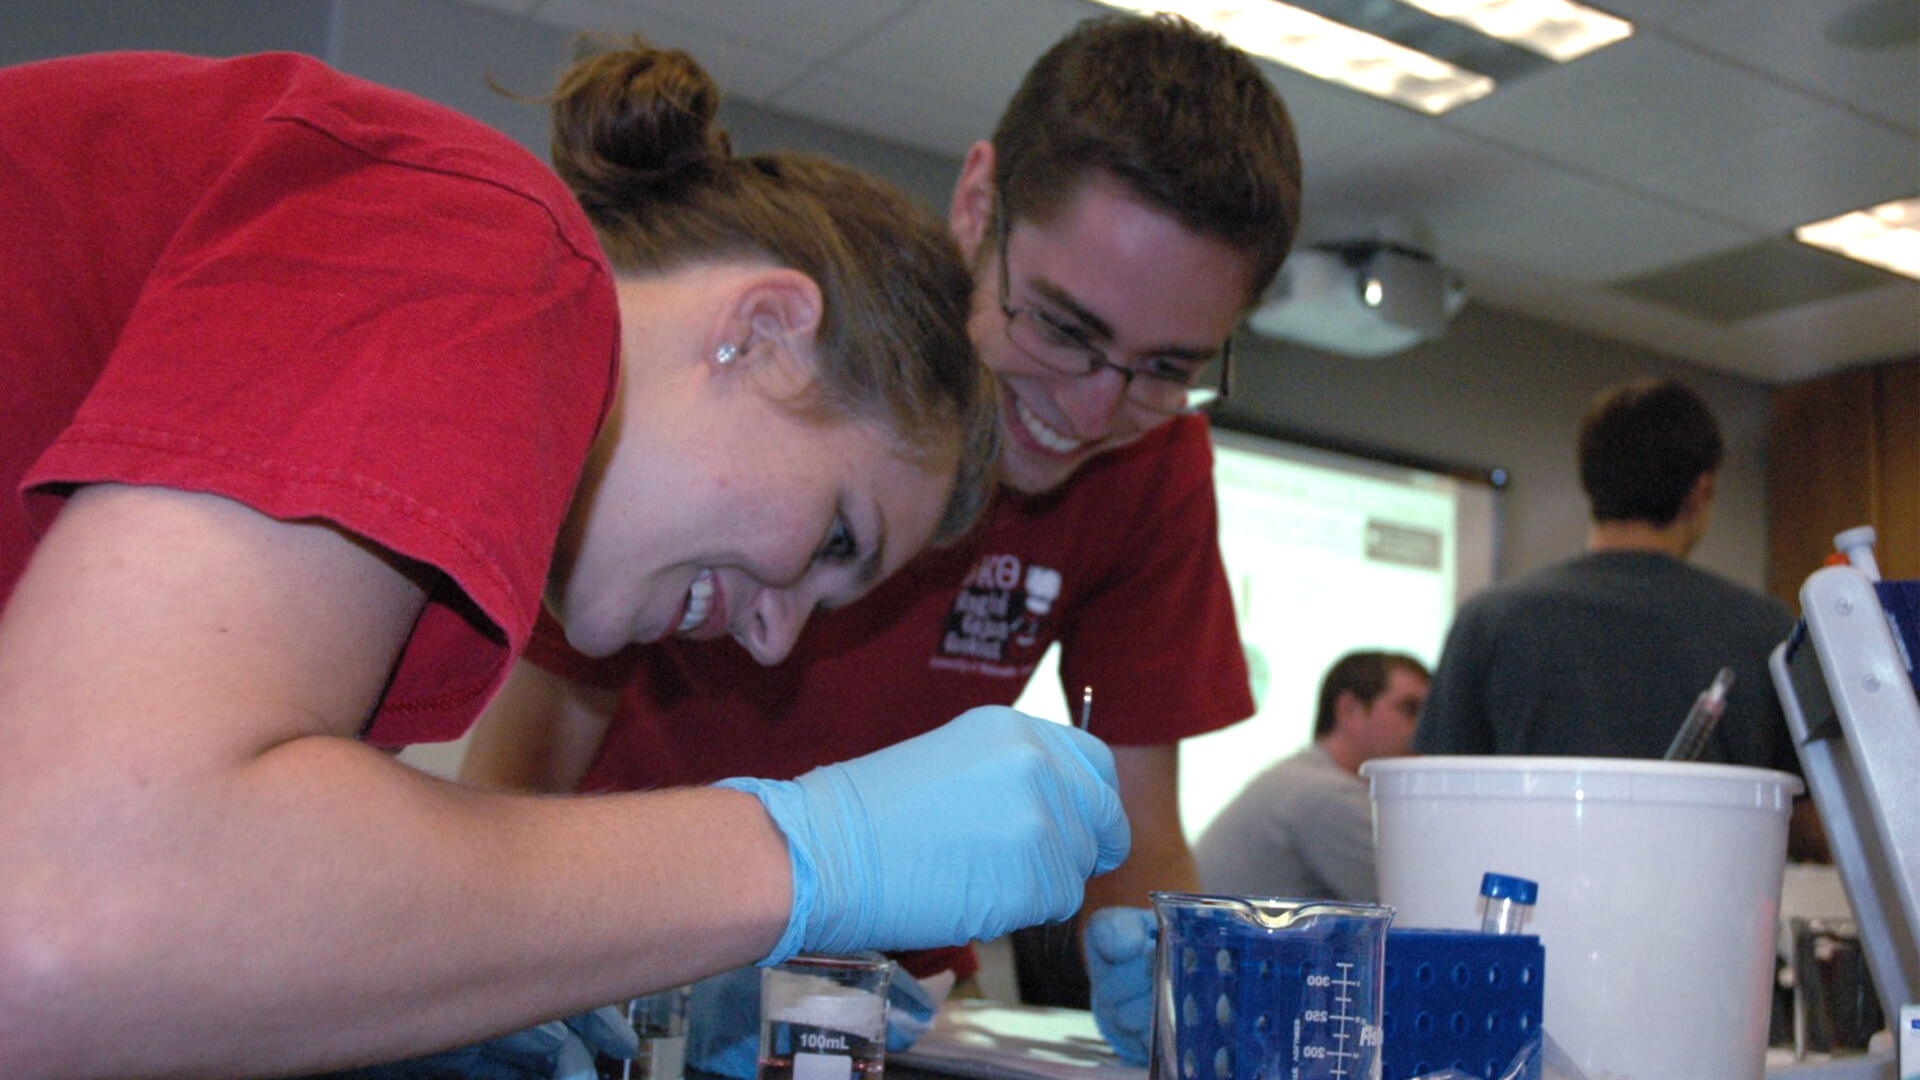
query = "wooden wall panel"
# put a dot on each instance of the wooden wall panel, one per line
(1896, 513)
(1844, 450)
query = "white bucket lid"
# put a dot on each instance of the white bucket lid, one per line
(1595, 779)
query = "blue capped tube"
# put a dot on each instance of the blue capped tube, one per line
(1505, 903)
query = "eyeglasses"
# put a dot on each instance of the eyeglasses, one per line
(1162, 384)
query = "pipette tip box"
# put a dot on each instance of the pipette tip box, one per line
(1460, 999)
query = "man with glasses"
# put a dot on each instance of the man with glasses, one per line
(1170, 381)
(1136, 198)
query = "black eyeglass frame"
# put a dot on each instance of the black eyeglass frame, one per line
(1197, 397)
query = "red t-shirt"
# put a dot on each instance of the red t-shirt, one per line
(1122, 567)
(264, 279)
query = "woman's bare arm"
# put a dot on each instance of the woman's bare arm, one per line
(201, 859)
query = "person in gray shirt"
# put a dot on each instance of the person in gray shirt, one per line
(1303, 828)
(1603, 654)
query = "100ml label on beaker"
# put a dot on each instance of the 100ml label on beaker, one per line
(805, 1052)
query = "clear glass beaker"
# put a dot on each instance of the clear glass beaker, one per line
(824, 1018)
(1248, 987)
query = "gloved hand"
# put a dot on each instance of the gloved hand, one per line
(911, 1005)
(1120, 943)
(555, 1050)
(723, 1024)
(723, 1020)
(988, 823)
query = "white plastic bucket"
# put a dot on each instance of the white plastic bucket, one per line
(1659, 893)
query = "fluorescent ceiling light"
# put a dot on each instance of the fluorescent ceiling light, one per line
(1329, 50)
(1886, 236)
(1557, 29)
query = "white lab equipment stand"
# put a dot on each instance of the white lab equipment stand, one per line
(1850, 704)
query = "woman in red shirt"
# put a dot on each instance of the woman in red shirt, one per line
(313, 394)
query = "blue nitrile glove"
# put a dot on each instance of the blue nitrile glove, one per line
(910, 1010)
(555, 1050)
(991, 822)
(723, 1020)
(1120, 944)
(723, 1024)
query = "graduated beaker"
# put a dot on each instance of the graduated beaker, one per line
(824, 1017)
(1252, 987)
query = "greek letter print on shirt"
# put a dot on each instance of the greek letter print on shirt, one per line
(998, 621)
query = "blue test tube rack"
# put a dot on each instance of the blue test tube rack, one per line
(1460, 999)
(1252, 1003)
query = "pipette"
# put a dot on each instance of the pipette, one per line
(1692, 736)
(1084, 722)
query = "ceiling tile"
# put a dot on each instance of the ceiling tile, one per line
(1719, 125)
(1895, 101)
(1789, 40)
(1784, 347)
(1651, 14)
(1482, 196)
(1872, 324)
(1545, 296)
(1629, 110)
(1757, 279)
(516, 6)
(741, 67)
(800, 28)
(906, 114)
(1331, 122)
(1829, 163)
(973, 53)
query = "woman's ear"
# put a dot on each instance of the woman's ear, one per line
(779, 306)
(971, 214)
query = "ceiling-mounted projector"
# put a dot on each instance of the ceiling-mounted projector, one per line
(1360, 298)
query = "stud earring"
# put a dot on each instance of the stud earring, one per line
(726, 354)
